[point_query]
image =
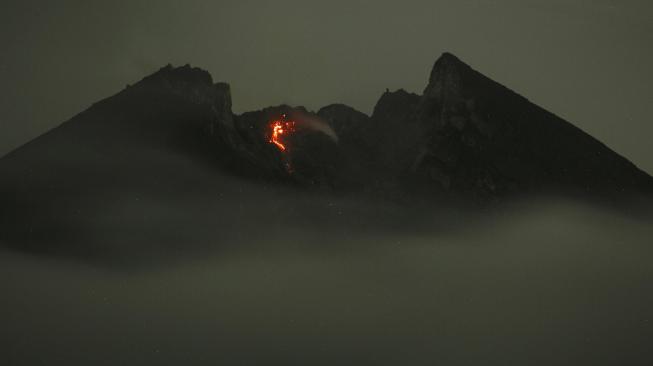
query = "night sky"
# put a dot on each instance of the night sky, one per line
(587, 61)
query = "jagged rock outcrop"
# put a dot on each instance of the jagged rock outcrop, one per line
(481, 137)
(395, 133)
(190, 83)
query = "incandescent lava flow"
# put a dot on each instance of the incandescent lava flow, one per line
(279, 128)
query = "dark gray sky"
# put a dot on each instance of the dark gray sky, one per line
(587, 61)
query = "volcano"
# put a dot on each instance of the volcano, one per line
(174, 133)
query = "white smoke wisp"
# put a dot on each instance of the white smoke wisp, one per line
(315, 123)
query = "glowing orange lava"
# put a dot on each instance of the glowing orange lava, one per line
(279, 128)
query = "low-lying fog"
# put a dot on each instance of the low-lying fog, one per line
(544, 283)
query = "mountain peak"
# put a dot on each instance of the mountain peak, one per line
(448, 57)
(447, 62)
(186, 74)
(391, 102)
(191, 83)
(446, 76)
(487, 138)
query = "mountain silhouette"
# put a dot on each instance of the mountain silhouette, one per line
(481, 135)
(174, 134)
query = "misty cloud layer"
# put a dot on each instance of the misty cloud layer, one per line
(546, 283)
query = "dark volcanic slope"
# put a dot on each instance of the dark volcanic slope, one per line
(146, 140)
(479, 134)
(173, 135)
